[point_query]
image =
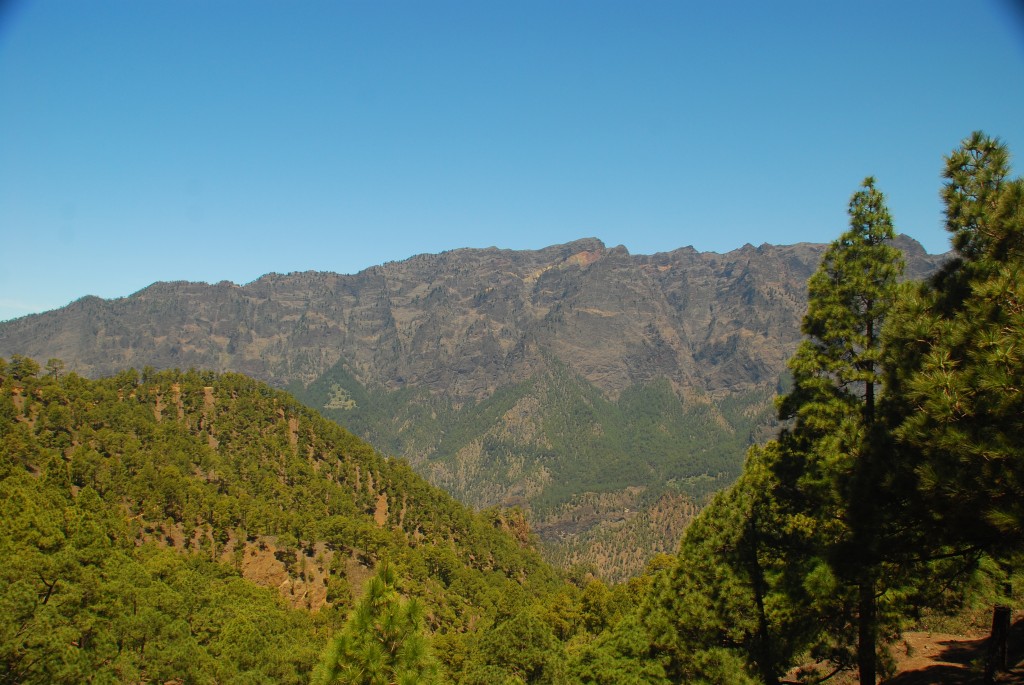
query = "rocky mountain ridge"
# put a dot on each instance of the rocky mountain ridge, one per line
(465, 322)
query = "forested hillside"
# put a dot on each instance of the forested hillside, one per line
(205, 528)
(165, 524)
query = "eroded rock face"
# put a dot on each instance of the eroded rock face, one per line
(465, 322)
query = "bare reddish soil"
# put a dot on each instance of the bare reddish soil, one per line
(941, 659)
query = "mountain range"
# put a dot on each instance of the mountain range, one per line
(604, 392)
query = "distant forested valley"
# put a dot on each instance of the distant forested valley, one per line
(202, 526)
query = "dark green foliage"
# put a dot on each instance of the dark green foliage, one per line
(836, 465)
(21, 368)
(620, 656)
(958, 342)
(736, 604)
(976, 181)
(835, 370)
(521, 649)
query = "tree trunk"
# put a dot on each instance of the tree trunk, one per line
(995, 659)
(866, 631)
(762, 644)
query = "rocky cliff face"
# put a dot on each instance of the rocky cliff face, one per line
(465, 322)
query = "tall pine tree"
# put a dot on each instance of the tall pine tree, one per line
(833, 461)
(959, 341)
(796, 554)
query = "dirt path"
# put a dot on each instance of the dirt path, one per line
(939, 659)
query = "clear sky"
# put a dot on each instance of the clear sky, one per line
(146, 140)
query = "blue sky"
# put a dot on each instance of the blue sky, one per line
(226, 139)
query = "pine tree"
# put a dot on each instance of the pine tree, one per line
(734, 599)
(960, 346)
(382, 643)
(831, 469)
(796, 554)
(975, 176)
